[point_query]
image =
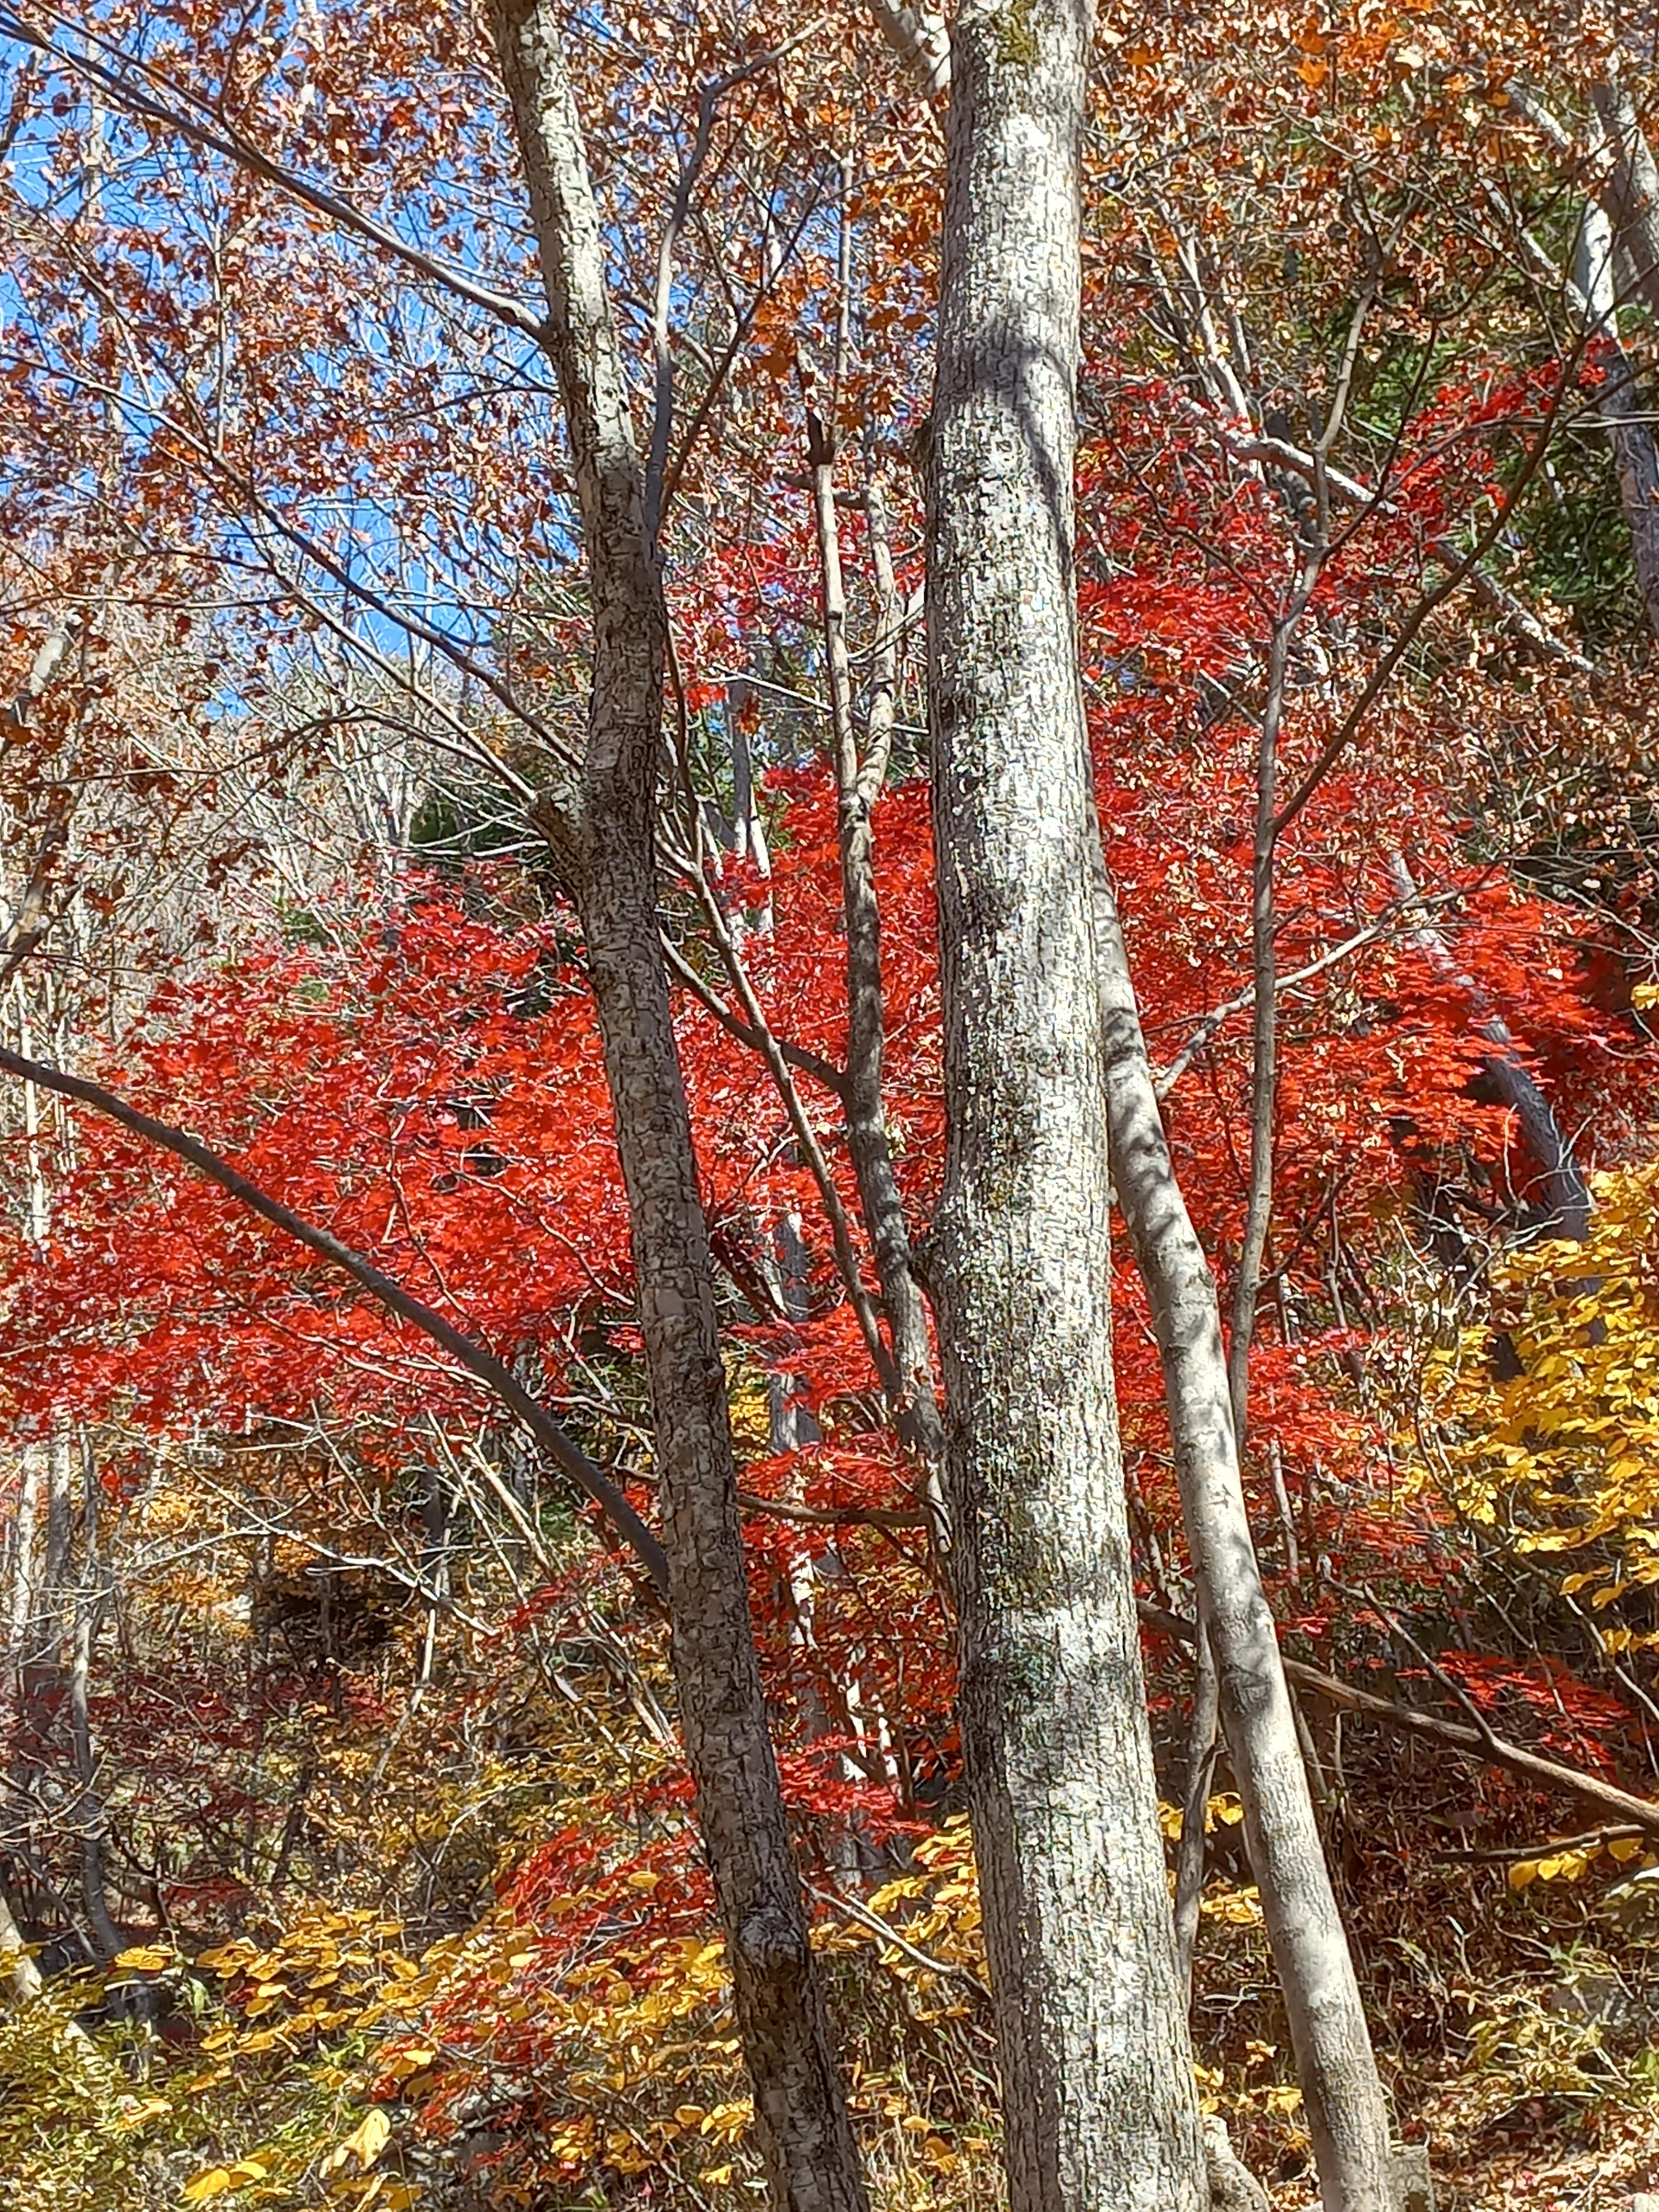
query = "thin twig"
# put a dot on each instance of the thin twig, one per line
(838, 1902)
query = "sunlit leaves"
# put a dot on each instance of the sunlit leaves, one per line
(1555, 1440)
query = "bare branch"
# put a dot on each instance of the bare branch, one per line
(497, 1377)
(215, 136)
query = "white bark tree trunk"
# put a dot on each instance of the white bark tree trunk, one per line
(1098, 2084)
(1617, 259)
(1629, 194)
(1346, 2117)
(1635, 451)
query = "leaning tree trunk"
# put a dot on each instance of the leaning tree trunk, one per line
(1340, 2091)
(602, 834)
(1098, 2083)
(1564, 1208)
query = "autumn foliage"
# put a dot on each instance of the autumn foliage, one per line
(376, 1727)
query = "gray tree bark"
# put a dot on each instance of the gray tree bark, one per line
(89, 1817)
(1340, 2091)
(1337, 2070)
(1630, 194)
(1617, 260)
(602, 833)
(857, 786)
(1202, 1745)
(1601, 256)
(1097, 2085)
(919, 36)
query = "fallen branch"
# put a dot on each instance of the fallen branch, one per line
(839, 1902)
(1591, 1840)
(1640, 1812)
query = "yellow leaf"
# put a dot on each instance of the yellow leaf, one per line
(1562, 1866)
(136, 2116)
(1523, 1874)
(1237, 1908)
(364, 2143)
(403, 2063)
(213, 2182)
(1625, 1848)
(145, 1957)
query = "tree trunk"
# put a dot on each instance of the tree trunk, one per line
(1339, 2087)
(1630, 193)
(90, 1826)
(1096, 2074)
(603, 835)
(1565, 1210)
(87, 1812)
(14, 1961)
(1617, 260)
(1201, 1747)
(919, 37)
(1635, 451)
(857, 786)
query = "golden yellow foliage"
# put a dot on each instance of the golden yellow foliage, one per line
(1544, 1421)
